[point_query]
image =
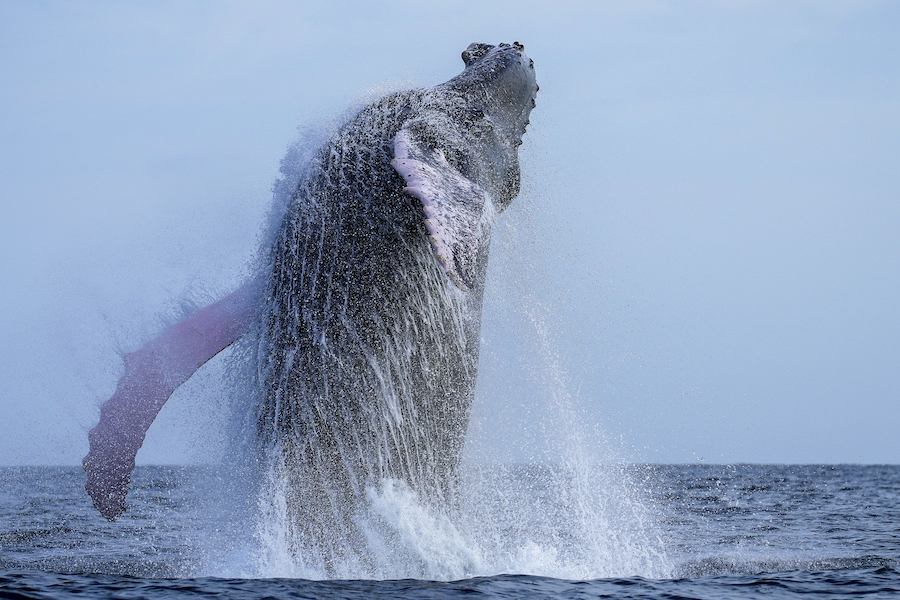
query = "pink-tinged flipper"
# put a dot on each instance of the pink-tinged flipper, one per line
(454, 206)
(151, 375)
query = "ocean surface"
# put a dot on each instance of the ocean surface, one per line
(639, 531)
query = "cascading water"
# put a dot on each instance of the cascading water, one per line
(579, 518)
(368, 346)
(389, 507)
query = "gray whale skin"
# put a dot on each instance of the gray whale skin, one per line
(368, 322)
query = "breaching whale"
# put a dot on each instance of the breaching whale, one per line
(368, 320)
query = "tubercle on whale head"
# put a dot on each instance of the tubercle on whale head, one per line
(501, 81)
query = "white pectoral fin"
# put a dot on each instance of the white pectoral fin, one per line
(151, 375)
(454, 205)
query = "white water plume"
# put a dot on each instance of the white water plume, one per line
(361, 480)
(580, 518)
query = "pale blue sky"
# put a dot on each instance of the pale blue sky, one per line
(703, 264)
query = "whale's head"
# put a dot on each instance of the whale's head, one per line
(500, 81)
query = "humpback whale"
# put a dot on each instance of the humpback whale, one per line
(367, 319)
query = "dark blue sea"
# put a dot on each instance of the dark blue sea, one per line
(651, 531)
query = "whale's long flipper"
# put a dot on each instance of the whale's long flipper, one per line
(454, 205)
(151, 375)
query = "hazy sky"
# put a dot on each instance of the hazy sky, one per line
(703, 263)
